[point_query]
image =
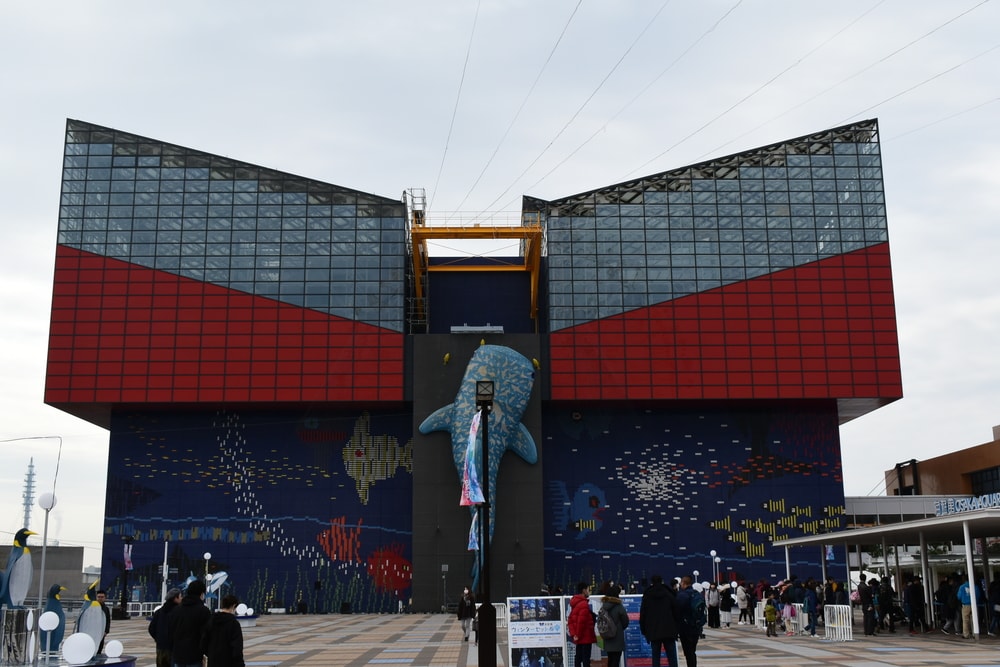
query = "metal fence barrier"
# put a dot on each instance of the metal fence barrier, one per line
(838, 620)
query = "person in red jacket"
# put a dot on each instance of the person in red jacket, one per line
(580, 625)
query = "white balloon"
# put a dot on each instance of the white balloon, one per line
(249, 611)
(29, 620)
(78, 649)
(705, 584)
(697, 587)
(241, 609)
(113, 648)
(48, 621)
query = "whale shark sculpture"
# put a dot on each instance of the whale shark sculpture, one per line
(513, 376)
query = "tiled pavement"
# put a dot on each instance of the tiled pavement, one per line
(432, 640)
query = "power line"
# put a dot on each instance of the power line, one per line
(852, 76)
(946, 118)
(579, 110)
(922, 83)
(638, 95)
(760, 87)
(517, 114)
(454, 111)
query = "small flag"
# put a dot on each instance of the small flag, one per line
(474, 532)
(472, 492)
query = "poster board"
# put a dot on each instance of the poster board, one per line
(536, 632)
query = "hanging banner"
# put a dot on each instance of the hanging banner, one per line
(472, 492)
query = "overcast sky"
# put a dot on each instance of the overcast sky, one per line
(481, 102)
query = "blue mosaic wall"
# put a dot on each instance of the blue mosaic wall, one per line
(632, 493)
(292, 506)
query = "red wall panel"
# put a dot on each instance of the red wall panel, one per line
(825, 330)
(126, 334)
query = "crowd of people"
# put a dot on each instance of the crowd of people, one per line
(675, 611)
(187, 633)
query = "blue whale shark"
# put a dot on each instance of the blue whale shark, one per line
(513, 376)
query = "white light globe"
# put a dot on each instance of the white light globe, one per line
(78, 649)
(208, 556)
(249, 611)
(241, 609)
(48, 621)
(113, 649)
(47, 501)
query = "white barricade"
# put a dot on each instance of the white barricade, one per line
(501, 609)
(758, 617)
(839, 622)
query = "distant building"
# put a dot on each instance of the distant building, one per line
(63, 566)
(972, 471)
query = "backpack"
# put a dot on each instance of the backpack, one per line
(606, 626)
(694, 615)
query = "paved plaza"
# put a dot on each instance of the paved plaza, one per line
(435, 640)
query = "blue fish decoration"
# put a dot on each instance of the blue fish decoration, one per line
(513, 376)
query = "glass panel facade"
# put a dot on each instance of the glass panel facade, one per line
(233, 224)
(715, 224)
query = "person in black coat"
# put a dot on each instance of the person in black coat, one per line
(224, 637)
(467, 612)
(159, 629)
(658, 620)
(187, 624)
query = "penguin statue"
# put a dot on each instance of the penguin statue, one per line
(91, 620)
(17, 576)
(51, 639)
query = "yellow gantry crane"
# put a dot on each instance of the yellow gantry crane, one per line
(527, 228)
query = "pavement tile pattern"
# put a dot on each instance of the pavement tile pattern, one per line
(435, 640)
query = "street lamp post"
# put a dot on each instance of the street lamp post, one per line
(487, 634)
(715, 575)
(46, 501)
(718, 567)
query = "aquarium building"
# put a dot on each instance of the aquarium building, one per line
(288, 376)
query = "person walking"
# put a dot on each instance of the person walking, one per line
(658, 620)
(224, 636)
(725, 606)
(917, 606)
(159, 630)
(867, 600)
(580, 625)
(771, 616)
(713, 599)
(743, 602)
(965, 599)
(102, 599)
(612, 605)
(467, 612)
(187, 624)
(810, 607)
(691, 620)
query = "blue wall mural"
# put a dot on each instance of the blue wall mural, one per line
(630, 493)
(292, 506)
